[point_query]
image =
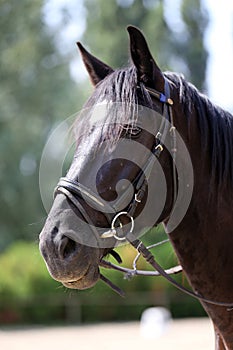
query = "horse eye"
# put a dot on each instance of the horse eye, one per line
(130, 131)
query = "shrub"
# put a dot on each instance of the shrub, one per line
(29, 295)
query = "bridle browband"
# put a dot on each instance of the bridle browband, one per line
(70, 188)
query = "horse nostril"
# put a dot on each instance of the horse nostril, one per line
(54, 232)
(66, 247)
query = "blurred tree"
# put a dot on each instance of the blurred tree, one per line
(106, 22)
(192, 47)
(36, 90)
(175, 45)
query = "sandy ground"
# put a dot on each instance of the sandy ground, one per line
(187, 334)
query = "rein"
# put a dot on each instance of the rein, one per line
(70, 187)
(146, 254)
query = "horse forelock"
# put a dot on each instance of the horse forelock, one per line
(117, 97)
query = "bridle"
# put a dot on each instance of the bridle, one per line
(72, 189)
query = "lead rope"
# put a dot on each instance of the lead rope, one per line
(146, 254)
(159, 271)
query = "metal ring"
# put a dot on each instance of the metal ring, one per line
(114, 220)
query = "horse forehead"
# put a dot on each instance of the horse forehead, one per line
(96, 146)
(89, 160)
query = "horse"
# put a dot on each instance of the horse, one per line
(155, 118)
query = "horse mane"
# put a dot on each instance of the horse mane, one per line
(215, 124)
(215, 127)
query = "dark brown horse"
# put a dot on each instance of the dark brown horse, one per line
(173, 141)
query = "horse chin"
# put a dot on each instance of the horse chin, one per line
(88, 280)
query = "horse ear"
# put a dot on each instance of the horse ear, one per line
(148, 71)
(96, 69)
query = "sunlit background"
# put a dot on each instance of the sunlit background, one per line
(217, 38)
(43, 81)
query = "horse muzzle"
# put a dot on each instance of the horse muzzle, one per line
(74, 265)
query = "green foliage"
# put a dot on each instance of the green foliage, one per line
(106, 23)
(25, 286)
(29, 295)
(23, 272)
(179, 49)
(192, 48)
(36, 90)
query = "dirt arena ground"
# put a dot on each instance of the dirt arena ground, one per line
(186, 334)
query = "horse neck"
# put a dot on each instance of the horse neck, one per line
(208, 219)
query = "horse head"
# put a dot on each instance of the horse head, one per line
(123, 138)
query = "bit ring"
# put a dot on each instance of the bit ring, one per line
(113, 228)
